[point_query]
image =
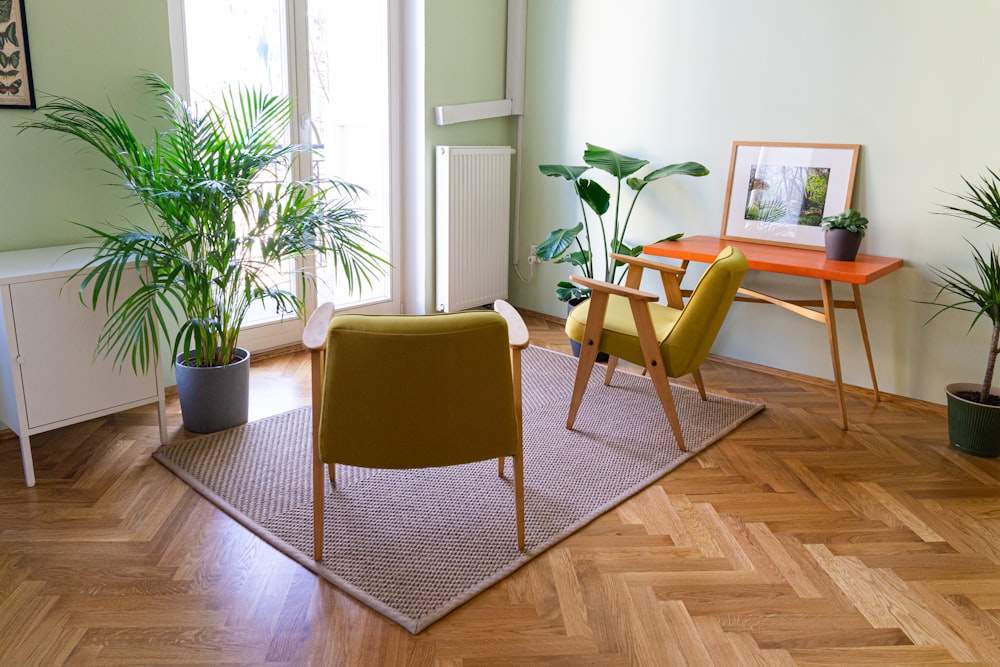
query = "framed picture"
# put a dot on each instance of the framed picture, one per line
(15, 68)
(779, 193)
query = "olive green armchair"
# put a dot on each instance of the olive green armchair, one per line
(669, 341)
(415, 391)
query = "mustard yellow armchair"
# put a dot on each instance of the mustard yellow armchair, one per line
(415, 391)
(669, 341)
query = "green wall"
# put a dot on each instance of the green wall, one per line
(91, 51)
(466, 46)
(670, 80)
(675, 80)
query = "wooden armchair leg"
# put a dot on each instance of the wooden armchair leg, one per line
(610, 372)
(657, 369)
(318, 509)
(662, 384)
(589, 347)
(519, 498)
(696, 373)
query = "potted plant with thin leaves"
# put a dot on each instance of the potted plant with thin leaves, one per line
(221, 214)
(974, 408)
(843, 233)
(580, 244)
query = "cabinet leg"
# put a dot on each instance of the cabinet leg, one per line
(161, 416)
(27, 462)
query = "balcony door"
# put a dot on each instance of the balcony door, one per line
(333, 58)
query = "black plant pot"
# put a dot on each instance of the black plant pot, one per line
(842, 244)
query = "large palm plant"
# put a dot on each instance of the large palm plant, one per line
(979, 295)
(221, 215)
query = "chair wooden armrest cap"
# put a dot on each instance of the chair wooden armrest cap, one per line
(618, 290)
(314, 334)
(517, 331)
(649, 264)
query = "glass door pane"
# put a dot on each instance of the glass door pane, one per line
(233, 44)
(349, 121)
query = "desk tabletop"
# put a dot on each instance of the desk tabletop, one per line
(780, 259)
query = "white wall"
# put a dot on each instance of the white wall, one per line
(674, 80)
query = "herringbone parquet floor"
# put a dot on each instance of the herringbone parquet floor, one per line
(789, 542)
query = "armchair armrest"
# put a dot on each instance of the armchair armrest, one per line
(619, 290)
(670, 276)
(649, 264)
(314, 334)
(517, 332)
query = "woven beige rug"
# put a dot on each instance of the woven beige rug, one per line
(416, 544)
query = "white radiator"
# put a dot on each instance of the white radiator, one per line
(472, 225)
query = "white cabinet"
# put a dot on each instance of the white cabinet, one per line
(49, 374)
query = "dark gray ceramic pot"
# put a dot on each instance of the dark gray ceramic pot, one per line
(214, 398)
(842, 244)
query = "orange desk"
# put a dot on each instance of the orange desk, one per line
(796, 262)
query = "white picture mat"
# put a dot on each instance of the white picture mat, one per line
(840, 159)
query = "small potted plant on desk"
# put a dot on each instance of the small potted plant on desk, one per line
(844, 232)
(974, 409)
(576, 245)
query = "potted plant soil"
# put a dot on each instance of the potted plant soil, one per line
(220, 213)
(974, 408)
(843, 234)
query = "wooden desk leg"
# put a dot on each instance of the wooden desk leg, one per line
(864, 338)
(831, 329)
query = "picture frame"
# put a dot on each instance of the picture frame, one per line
(778, 193)
(16, 87)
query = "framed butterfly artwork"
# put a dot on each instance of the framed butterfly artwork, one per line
(16, 90)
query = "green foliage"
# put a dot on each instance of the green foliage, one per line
(851, 220)
(768, 210)
(979, 295)
(595, 199)
(221, 215)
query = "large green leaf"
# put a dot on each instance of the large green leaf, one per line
(579, 258)
(594, 194)
(616, 164)
(567, 291)
(562, 170)
(681, 169)
(557, 242)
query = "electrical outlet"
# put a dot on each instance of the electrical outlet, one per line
(532, 257)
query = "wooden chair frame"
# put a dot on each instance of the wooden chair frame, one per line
(670, 277)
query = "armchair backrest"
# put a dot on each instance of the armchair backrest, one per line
(417, 391)
(693, 335)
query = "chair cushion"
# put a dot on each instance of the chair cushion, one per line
(620, 338)
(417, 391)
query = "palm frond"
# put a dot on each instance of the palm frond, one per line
(198, 177)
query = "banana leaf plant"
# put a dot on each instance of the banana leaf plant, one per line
(979, 294)
(578, 244)
(222, 213)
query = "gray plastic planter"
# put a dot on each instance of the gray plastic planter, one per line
(214, 398)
